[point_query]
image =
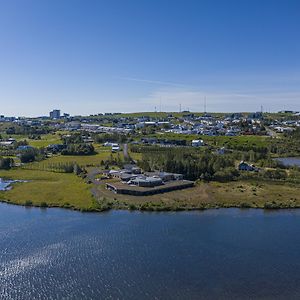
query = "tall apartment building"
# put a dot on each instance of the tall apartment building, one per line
(55, 114)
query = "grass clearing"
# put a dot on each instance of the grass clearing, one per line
(54, 189)
(256, 193)
(219, 141)
(45, 141)
(81, 160)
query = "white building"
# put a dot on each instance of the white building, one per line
(197, 143)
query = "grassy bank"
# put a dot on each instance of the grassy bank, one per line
(243, 194)
(48, 189)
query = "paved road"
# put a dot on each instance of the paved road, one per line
(272, 133)
(125, 151)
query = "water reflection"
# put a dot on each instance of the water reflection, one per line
(213, 254)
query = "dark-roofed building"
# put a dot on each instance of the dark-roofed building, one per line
(243, 166)
(134, 169)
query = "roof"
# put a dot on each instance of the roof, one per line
(162, 174)
(130, 166)
(147, 179)
(114, 171)
(25, 147)
(6, 143)
(197, 141)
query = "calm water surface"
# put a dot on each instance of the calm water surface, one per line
(4, 184)
(290, 161)
(215, 254)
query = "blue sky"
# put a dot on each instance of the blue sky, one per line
(86, 56)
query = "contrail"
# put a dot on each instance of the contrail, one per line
(166, 83)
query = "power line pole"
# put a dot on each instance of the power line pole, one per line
(160, 104)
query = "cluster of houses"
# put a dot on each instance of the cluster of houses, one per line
(131, 174)
(185, 123)
(171, 142)
(96, 128)
(188, 123)
(11, 143)
(132, 180)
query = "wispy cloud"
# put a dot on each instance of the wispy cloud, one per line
(170, 98)
(156, 82)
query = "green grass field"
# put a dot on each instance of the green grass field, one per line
(54, 189)
(256, 193)
(219, 141)
(45, 140)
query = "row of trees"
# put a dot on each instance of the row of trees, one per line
(194, 166)
(75, 145)
(61, 167)
(78, 149)
(210, 166)
(27, 130)
(110, 137)
(31, 155)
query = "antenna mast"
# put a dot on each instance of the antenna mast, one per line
(160, 104)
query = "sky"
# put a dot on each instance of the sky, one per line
(88, 57)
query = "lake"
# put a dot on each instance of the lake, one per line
(213, 254)
(4, 184)
(290, 161)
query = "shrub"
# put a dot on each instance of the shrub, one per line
(28, 203)
(27, 157)
(6, 163)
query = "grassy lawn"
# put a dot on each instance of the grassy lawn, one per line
(45, 140)
(135, 156)
(219, 141)
(102, 153)
(54, 189)
(80, 160)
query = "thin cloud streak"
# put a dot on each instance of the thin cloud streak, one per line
(220, 101)
(158, 82)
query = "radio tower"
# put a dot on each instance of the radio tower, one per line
(160, 104)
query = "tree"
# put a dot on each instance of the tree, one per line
(6, 163)
(27, 157)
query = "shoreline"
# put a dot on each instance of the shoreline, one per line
(69, 192)
(151, 209)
